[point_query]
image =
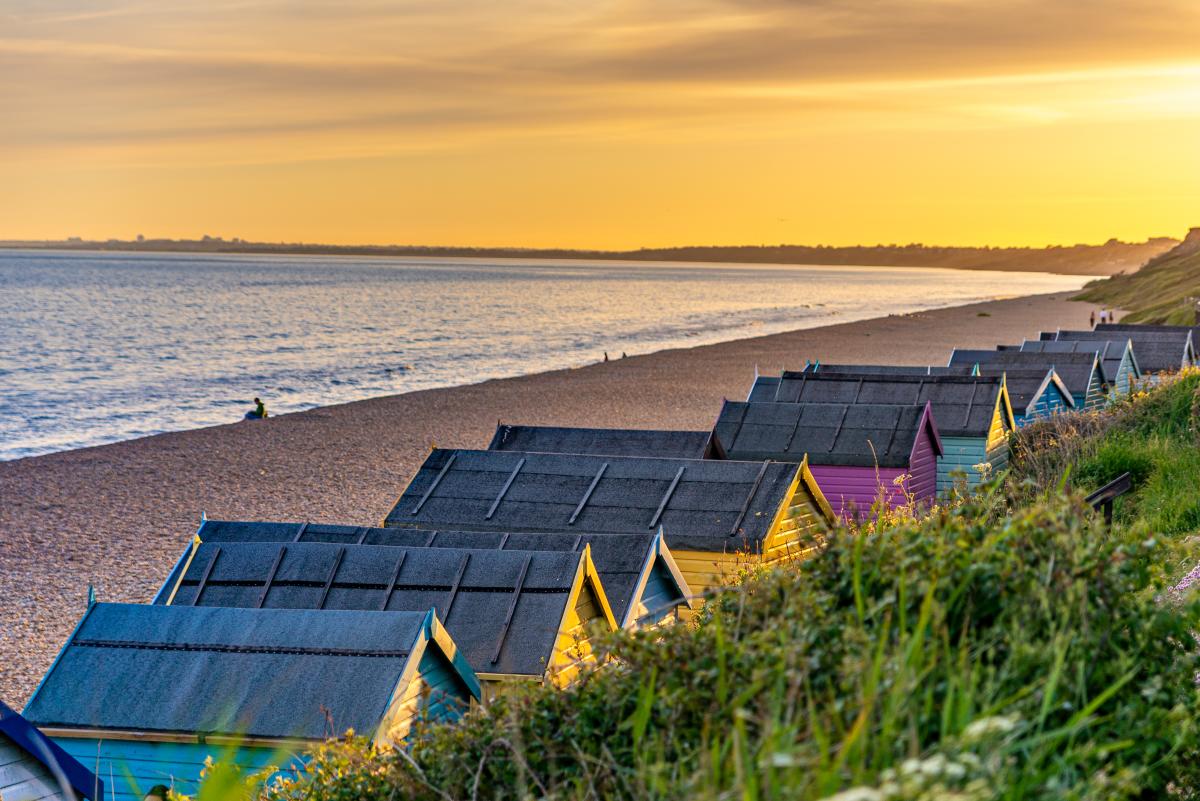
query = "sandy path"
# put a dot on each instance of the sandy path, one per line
(117, 516)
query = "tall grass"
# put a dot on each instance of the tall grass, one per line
(1018, 657)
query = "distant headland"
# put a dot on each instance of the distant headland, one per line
(1110, 258)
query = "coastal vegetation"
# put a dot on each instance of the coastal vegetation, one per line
(1166, 290)
(1114, 256)
(1006, 645)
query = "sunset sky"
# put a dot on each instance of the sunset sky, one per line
(601, 123)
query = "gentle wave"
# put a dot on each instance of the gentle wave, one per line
(96, 348)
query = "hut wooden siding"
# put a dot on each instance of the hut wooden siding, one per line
(642, 581)
(148, 693)
(715, 515)
(35, 768)
(855, 451)
(607, 442)
(974, 415)
(1081, 373)
(510, 612)
(1155, 351)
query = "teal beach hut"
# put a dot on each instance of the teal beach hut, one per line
(1082, 373)
(148, 693)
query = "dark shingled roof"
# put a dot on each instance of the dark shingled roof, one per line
(1194, 330)
(860, 435)
(607, 442)
(1075, 369)
(470, 589)
(867, 369)
(1154, 351)
(962, 404)
(618, 557)
(1110, 351)
(700, 504)
(252, 672)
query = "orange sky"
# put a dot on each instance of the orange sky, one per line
(601, 123)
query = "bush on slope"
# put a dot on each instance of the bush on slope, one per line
(1018, 657)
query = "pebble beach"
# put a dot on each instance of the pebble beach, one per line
(116, 517)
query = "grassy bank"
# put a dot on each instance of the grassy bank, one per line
(1163, 291)
(1008, 647)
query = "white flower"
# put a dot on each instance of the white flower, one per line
(857, 794)
(934, 765)
(986, 727)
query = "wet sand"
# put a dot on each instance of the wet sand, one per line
(117, 516)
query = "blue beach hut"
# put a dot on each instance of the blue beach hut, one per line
(1116, 356)
(1035, 392)
(1082, 373)
(148, 693)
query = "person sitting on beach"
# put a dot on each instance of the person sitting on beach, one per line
(260, 411)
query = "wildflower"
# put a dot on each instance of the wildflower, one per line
(987, 727)
(857, 794)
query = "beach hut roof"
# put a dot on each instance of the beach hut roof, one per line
(255, 673)
(1027, 384)
(606, 442)
(1155, 351)
(1111, 351)
(860, 435)
(1194, 330)
(65, 770)
(868, 369)
(963, 405)
(700, 504)
(1075, 369)
(503, 608)
(619, 558)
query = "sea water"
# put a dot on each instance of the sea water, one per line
(100, 347)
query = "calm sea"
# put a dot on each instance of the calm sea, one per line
(97, 348)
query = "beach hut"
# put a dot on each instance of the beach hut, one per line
(607, 442)
(1082, 373)
(1156, 351)
(974, 415)
(641, 579)
(715, 515)
(1116, 357)
(148, 693)
(515, 615)
(35, 768)
(1035, 392)
(1134, 328)
(868, 369)
(856, 451)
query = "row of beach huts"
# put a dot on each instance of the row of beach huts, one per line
(498, 566)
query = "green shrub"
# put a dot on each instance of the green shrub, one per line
(1022, 657)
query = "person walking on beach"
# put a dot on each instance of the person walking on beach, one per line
(1093, 320)
(260, 411)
